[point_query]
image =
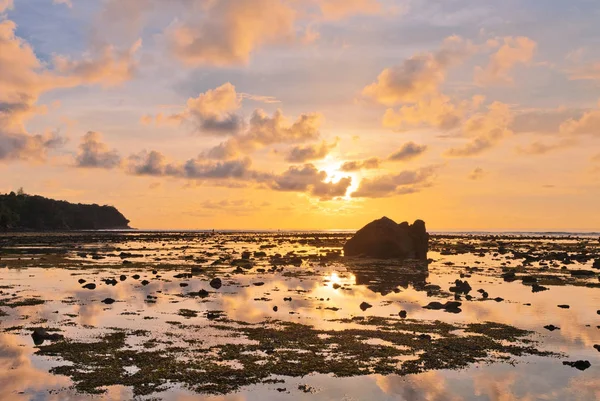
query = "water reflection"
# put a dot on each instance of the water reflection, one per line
(385, 278)
(317, 293)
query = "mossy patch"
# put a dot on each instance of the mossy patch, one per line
(285, 349)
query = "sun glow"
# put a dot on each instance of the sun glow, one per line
(334, 175)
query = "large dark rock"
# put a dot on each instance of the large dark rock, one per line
(385, 239)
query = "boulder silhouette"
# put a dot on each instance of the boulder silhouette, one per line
(384, 239)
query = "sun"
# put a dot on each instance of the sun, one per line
(334, 175)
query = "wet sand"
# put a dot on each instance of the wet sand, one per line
(293, 319)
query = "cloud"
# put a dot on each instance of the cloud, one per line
(589, 72)
(477, 174)
(338, 9)
(539, 148)
(485, 130)
(587, 124)
(418, 76)
(67, 3)
(93, 153)
(154, 163)
(436, 110)
(148, 163)
(408, 151)
(308, 178)
(301, 154)
(229, 31)
(513, 51)
(24, 78)
(5, 5)
(543, 121)
(21, 83)
(406, 182)
(264, 130)
(108, 67)
(212, 112)
(356, 165)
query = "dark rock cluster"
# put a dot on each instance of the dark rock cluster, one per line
(384, 239)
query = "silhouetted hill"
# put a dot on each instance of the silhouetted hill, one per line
(32, 212)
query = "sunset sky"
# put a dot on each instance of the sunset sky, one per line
(306, 114)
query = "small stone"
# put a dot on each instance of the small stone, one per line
(216, 283)
(108, 301)
(275, 309)
(564, 306)
(90, 286)
(580, 365)
(364, 306)
(551, 327)
(402, 314)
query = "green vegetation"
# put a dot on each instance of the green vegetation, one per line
(31, 212)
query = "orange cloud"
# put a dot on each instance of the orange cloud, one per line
(418, 76)
(5, 5)
(110, 67)
(264, 130)
(212, 112)
(436, 111)
(588, 124)
(514, 50)
(408, 151)
(302, 154)
(404, 183)
(369, 164)
(23, 78)
(589, 72)
(230, 30)
(338, 9)
(93, 153)
(485, 130)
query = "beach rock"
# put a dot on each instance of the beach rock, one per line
(582, 273)
(450, 306)
(90, 286)
(246, 254)
(108, 301)
(597, 347)
(81, 281)
(402, 314)
(538, 288)
(384, 239)
(596, 264)
(581, 365)
(564, 306)
(275, 308)
(461, 287)
(509, 276)
(145, 282)
(216, 283)
(123, 277)
(551, 327)
(364, 306)
(40, 335)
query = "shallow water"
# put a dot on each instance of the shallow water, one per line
(39, 287)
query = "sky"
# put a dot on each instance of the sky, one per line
(306, 114)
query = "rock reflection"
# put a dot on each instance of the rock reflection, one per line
(19, 378)
(385, 277)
